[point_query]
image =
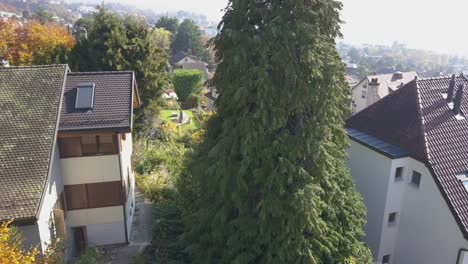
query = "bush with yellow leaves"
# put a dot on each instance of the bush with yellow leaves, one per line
(11, 250)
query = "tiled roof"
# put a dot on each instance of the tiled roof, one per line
(30, 102)
(417, 118)
(388, 81)
(112, 109)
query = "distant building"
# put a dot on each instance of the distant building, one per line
(375, 87)
(185, 61)
(408, 157)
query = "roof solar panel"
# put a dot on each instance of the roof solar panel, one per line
(85, 96)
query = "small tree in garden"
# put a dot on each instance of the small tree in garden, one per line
(187, 82)
(11, 250)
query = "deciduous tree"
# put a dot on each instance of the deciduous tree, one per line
(34, 43)
(11, 250)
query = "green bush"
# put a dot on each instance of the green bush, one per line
(187, 82)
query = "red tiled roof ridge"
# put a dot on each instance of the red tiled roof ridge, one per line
(421, 120)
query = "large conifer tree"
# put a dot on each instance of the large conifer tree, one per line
(270, 181)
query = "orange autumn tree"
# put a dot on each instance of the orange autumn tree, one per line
(7, 31)
(11, 250)
(34, 43)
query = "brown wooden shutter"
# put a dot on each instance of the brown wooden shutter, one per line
(70, 147)
(105, 194)
(106, 144)
(76, 197)
(89, 145)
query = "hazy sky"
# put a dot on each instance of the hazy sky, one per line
(426, 24)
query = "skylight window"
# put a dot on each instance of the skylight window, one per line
(85, 96)
(463, 177)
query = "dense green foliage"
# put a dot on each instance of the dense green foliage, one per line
(115, 43)
(187, 82)
(170, 24)
(268, 182)
(188, 37)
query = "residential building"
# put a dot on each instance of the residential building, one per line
(66, 155)
(199, 65)
(409, 160)
(375, 87)
(178, 59)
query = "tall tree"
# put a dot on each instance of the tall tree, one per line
(188, 37)
(170, 24)
(270, 181)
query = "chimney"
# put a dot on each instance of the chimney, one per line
(458, 99)
(451, 89)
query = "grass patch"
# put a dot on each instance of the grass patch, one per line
(194, 125)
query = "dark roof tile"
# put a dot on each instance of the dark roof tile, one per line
(30, 102)
(112, 107)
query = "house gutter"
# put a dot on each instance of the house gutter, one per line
(123, 191)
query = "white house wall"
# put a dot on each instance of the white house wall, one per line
(104, 226)
(356, 93)
(425, 230)
(92, 169)
(371, 173)
(127, 173)
(54, 187)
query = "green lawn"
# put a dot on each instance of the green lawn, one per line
(166, 116)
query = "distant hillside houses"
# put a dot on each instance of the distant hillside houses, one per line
(375, 87)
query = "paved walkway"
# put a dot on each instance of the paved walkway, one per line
(140, 237)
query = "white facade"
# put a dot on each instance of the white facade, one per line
(103, 226)
(359, 96)
(424, 230)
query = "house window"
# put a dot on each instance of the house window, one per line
(386, 259)
(399, 174)
(416, 178)
(392, 218)
(93, 195)
(363, 94)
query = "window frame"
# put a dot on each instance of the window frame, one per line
(364, 94)
(386, 259)
(416, 175)
(399, 172)
(392, 218)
